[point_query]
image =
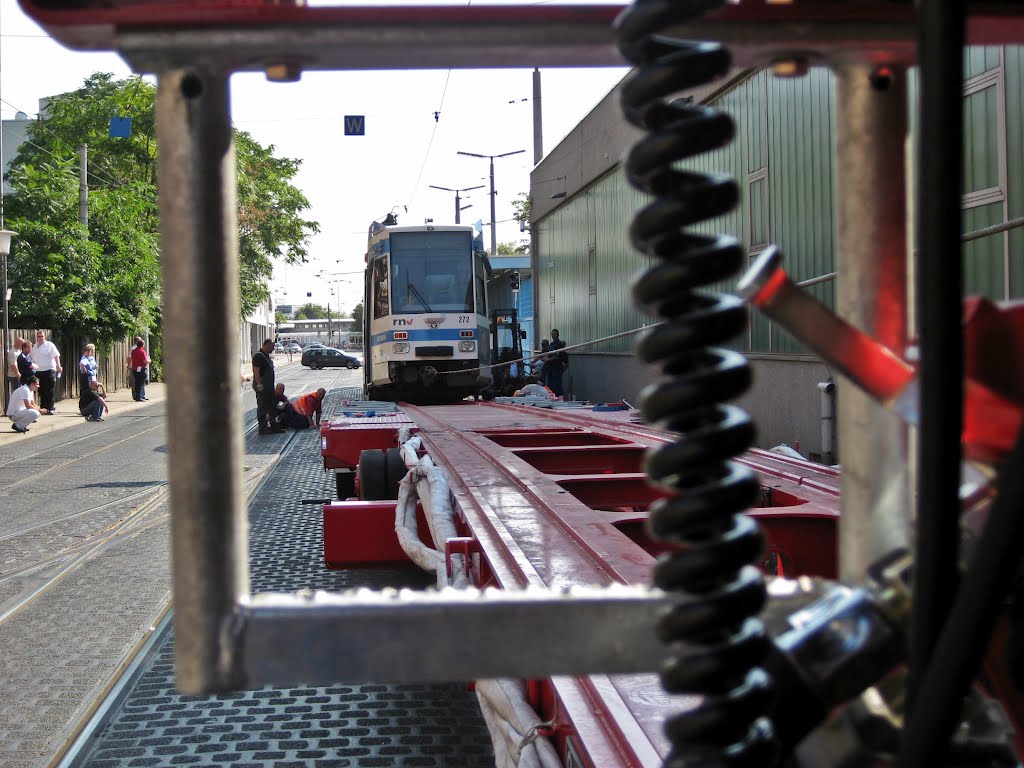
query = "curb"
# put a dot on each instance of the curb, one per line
(67, 414)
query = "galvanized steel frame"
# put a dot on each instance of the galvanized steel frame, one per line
(224, 636)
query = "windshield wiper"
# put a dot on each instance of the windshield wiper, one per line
(419, 296)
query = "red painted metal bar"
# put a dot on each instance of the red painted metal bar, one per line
(590, 459)
(563, 542)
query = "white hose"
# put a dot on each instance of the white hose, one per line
(513, 725)
(427, 483)
(510, 719)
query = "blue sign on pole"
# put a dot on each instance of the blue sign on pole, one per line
(120, 127)
(355, 125)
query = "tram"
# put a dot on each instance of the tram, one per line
(425, 328)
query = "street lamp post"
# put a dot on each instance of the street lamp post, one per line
(333, 279)
(494, 231)
(5, 251)
(458, 208)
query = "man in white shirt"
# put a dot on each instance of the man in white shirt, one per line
(46, 356)
(22, 408)
(12, 363)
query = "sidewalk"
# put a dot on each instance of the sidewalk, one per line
(67, 415)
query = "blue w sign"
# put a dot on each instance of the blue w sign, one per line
(355, 125)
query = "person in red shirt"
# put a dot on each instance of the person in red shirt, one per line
(140, 369)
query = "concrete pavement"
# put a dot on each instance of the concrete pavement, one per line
(119, 402)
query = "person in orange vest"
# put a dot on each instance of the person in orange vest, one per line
(305, 410)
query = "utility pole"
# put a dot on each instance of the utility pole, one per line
(538, 133)
(494, 229)
(458, 200)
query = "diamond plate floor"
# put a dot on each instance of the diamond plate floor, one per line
(357, 726)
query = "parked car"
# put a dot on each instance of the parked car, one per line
(329, 358)
(293, 347)
(314, 345)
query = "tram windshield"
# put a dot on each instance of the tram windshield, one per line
(431, 272)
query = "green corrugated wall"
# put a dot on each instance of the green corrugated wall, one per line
(782, 158)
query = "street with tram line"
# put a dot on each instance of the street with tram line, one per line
(84, 554)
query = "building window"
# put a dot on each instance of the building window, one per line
(758, 221)
(983, 141)
(592, 267)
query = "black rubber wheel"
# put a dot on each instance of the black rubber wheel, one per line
(350, 365)
(372, 476)
(396, 470)
(314, 366)
(346, 484)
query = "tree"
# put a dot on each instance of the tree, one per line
(523, 205)
(280, 318)
(357, 316)
(514, 249)
(104, 280)
(313, 311)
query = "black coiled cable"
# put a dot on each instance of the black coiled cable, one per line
(723, 642)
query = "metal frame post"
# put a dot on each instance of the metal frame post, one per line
(200, 273)
(871, 293)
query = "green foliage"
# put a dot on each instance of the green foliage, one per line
(104, 280)
(523, 205)
(269, 220)
(514, 249)
(313, 311)
(357, 316)
(280, 318)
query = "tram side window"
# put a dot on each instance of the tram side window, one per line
(481, 287)
(381, 299)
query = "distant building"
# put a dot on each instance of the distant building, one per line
(286, 309)
(327, 331)
(14, 132)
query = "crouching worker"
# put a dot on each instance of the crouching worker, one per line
(305, 410)
(90, 404)
(23, 409)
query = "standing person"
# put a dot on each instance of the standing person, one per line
(556, 363)
(90, 404)
(46, 356)
(22, 408)
(140, 369)
(13, 374)
(263, 385)
(26, 367)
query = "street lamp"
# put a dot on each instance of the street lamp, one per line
(494, 232)
(458, 208)
(333, 279)
(5, 251)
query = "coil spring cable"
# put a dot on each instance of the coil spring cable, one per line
(725, 643)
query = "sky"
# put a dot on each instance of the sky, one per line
(352, 180)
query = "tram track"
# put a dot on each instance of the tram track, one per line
(59, 559)
(71, 558)
(119, 682)
(35, 477)
(68, 560)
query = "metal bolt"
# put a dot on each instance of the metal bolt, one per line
(793, 66)
(284, 72)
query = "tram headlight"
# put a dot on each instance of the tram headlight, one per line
(400, 347)
(467, 346)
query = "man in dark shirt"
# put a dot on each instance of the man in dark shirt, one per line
(263, 385)
(90, 404)
(556, 363)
